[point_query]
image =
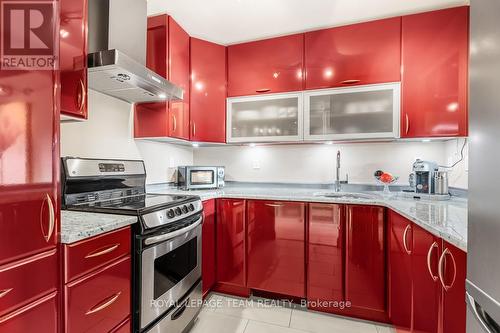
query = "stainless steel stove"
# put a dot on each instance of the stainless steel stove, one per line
(167, 240)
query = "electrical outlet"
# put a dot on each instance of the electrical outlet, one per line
(255, 164)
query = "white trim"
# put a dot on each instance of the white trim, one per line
(394, 86)
(291, 138)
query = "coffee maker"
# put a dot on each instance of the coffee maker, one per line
(424, 172)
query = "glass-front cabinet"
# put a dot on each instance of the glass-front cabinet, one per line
(269, 118)
(354, 113)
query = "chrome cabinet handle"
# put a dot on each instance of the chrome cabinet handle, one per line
(83, 96)
(5, 292)
(50, 205)
(238, 203)
(175, 123)
(407, 123)
(274, 205)
(405, 234)
(170, 235)
(263, 90)
(104, 304)
(429, 254)
(350, 81)
(441, 269)
(102, 251)
(194, 128)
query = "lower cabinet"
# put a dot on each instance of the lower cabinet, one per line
(426, 280)
(231, 238)
(365, 263)
(325, 264)
(208, 246)
(400, 272)
(97, 283)
(276, 247)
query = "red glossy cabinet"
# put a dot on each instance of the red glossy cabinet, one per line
(208, 252)
(360, 53)
(276, 247)
(453, 271)
(208, 92)
(100, 301)
(325, 268)
(266, 66)
(73, 57)
(400, 272)
(168, 55)
(38, 316)
(231, 239)
(365, 264)
(426, 250)
(435, 73)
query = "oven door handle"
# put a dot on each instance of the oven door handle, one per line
(170, 235)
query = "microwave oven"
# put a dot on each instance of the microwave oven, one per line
(200, 177)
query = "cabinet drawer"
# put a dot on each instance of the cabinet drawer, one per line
(18, 286)
(100, 301)
(39, 314)
(125, 327)
(82, 257)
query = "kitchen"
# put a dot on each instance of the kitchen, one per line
(250, 167)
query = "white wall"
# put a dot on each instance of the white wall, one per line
(458, 175)
(108, 133)
(316, 163)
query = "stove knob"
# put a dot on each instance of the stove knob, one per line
(191, 207)
(184, 209)
(170, 214)
(178, 211)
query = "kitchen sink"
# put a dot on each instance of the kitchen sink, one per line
(344, 195)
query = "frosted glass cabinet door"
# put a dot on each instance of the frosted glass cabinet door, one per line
(365, 112)
(266, 118)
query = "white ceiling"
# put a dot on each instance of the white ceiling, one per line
(234, 21)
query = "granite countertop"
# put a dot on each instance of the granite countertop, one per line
(446, 219)
(76, 226)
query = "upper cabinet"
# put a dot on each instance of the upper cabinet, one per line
(268, 118)
(266, 66)
(364, 112)
(435, 62)
(168, 55)
(208, 91)
(361, 53)
(73, 58)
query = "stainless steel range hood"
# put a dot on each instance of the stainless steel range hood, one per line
(117, 53)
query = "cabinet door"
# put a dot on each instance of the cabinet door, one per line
(266, 66)
(38, 316)
(352, 113)
(360, 53)
(453, 270)
(276, 247)
(208, 91)
(435, 78)
(178, 73)
(426, 286)
(157, 44)
(400, 274)
(325, 272)
(265, 118)
(231, 231)
(29, 160)
(73, 57)
(365, 258)
(208, 244)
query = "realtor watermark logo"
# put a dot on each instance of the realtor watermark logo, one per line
(27, 35)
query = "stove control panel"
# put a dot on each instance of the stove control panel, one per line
(173, 214)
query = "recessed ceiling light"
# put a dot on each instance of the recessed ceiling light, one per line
(196, 144)
(162, 96)
(251, 144)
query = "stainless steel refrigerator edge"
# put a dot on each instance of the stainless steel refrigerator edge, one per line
(483, 252)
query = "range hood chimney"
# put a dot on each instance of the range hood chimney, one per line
(117, 53)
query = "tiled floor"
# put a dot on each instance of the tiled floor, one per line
(224, 314)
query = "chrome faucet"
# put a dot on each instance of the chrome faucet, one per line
(338, 183)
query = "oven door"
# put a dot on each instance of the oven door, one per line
(170, 267)
(201, 178)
